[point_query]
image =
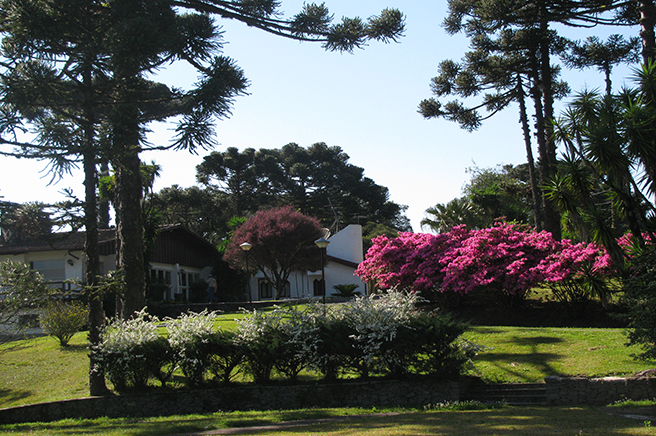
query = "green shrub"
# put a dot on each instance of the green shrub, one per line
(191, 337)
(225, 356)
(264, 343)
(430, 344)
(640, 299)
(132, 351)
(62, 320)
(348, 290)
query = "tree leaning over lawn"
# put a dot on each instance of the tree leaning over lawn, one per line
(282, 241)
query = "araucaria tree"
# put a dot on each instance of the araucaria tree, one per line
(86, 68)
(318, 180)
(282, 241)
(512, 62)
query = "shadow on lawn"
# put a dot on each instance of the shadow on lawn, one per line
(9, 396)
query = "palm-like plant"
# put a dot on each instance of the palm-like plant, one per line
(609, 162)
(443, 217)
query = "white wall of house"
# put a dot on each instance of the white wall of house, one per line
(56, 266)
(345, 245)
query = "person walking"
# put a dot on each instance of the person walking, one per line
(211, 289)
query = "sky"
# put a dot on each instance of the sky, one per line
(365, 102)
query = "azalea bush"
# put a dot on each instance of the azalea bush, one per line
(505, 261)
(577, 273)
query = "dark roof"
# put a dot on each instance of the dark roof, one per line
(69, 241)
(342, 261)
(175, 244)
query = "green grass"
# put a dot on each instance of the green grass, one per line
(475, 421)
(38, 370)
(524, 354)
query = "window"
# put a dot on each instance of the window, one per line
(266, 289)
(51, 270)
(318, 287)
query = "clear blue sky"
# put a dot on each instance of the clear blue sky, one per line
(365, 102)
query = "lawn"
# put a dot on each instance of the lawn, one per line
(527, 354)
(480, 421)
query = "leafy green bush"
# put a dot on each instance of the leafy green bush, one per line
(348, 290)
(225, 356)
(640, 299)
(430, 344)
(62, 320)
(263, 341)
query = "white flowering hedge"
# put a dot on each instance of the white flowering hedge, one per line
(373, 335)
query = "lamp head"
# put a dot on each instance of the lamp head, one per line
(322, 243)
(245, 246)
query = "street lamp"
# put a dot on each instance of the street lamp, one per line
(246, 247)
(322, 243)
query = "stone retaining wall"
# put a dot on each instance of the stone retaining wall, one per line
(567, 391)
(251, 397)
(561, 391)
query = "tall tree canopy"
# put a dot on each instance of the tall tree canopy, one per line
(318, 180)
(492, 195)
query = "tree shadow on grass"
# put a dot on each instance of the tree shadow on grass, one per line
(531, 355)
(75, 348)
(9, 396)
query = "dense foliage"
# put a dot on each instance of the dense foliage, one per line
(640, 298)
(376, 335)
(20, 289)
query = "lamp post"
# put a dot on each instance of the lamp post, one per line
(322, 243)
(246, 247)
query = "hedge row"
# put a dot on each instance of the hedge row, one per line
(376, 335)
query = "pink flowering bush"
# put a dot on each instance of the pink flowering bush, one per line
(502, 259)
(578, 272)
(410, 261)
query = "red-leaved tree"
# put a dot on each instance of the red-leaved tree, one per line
(282, 241)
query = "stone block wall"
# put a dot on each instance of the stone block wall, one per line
(251, 397)
(567, 391)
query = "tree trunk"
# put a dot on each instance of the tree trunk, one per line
(130, 231)
(548, 160)
(647, 20)
(91, 249)
(535, 189)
